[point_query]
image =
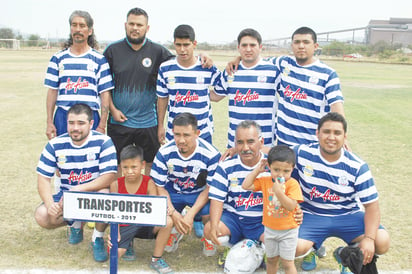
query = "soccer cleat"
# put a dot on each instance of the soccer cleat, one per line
(222, 257)
(99, 252)
(161, 266)
(209, 249)
(198, 228)
(130, 255)
(321, 251)
(342, 269)
(91, 225)
(75, 235)
(173, 242)
(309, 261)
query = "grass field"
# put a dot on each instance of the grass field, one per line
(378, 106)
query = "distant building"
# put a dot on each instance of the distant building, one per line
(392, 31)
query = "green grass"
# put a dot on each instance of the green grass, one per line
(378, 101)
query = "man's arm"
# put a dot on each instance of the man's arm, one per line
(216, 209)
(214, 97)
(161, 114)
(50, 106)
(117, 115)
(180, 224)
(44, 189)
(338, 107)
(200, 202)
(105, 99)
(372, 220)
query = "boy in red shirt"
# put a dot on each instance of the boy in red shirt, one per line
(134, 182)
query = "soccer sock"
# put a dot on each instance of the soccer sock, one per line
(97, 234)
(77, 225)
(224, 241)
(154, 258)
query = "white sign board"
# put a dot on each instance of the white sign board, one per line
(114, 208)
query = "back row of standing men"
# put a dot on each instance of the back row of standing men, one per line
(286, 96)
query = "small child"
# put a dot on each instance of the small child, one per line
(281, 195)
(134, 182)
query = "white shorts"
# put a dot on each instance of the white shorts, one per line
(281, 243)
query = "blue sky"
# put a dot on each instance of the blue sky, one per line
(214, 21)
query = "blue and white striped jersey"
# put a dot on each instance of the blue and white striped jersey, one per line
(177, 173)
(331, 189)
(305, 95)
(252, 96)
(78, 164)
(78, 79)
(226, 187)
(188, 91)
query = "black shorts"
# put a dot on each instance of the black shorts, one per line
(128, 233)
(146, 138)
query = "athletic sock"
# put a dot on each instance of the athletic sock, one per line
(97, 234)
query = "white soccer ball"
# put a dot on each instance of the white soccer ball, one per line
(244, 257)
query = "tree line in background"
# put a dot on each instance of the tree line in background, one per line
(381, 50)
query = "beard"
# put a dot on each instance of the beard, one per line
(136, 41)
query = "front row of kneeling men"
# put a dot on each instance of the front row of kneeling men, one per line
(250, 195)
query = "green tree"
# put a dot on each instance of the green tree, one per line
(6, 33)
(33, 40)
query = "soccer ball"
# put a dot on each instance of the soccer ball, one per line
(244, 257)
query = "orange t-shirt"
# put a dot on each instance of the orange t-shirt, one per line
(276, 216)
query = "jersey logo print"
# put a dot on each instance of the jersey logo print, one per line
(249, 201)
(186, 98)
(79, 178)
(314, 193)
(248, 97)
(76, 85)
(298, 95)
(184, 184)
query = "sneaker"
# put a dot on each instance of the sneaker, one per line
(342, 269)
(222, 257)
(99, 252)
(130, 255)
(209, 249)
(173, 242)
(309, 261)
(75, 235)
(161, 266)
(321, 251)
(198, 228)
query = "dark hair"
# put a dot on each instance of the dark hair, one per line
(281, 153)
(80, 109)
(91, 40)
(131, 152)
(248, 124)
(306, 30)
(249, 32)
(138, 11)
(333, 116)
(185, 119)
(184, 32)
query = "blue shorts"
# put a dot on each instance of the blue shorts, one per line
(242, 227)
(317, 228)
(60, 120)
(180, 201)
